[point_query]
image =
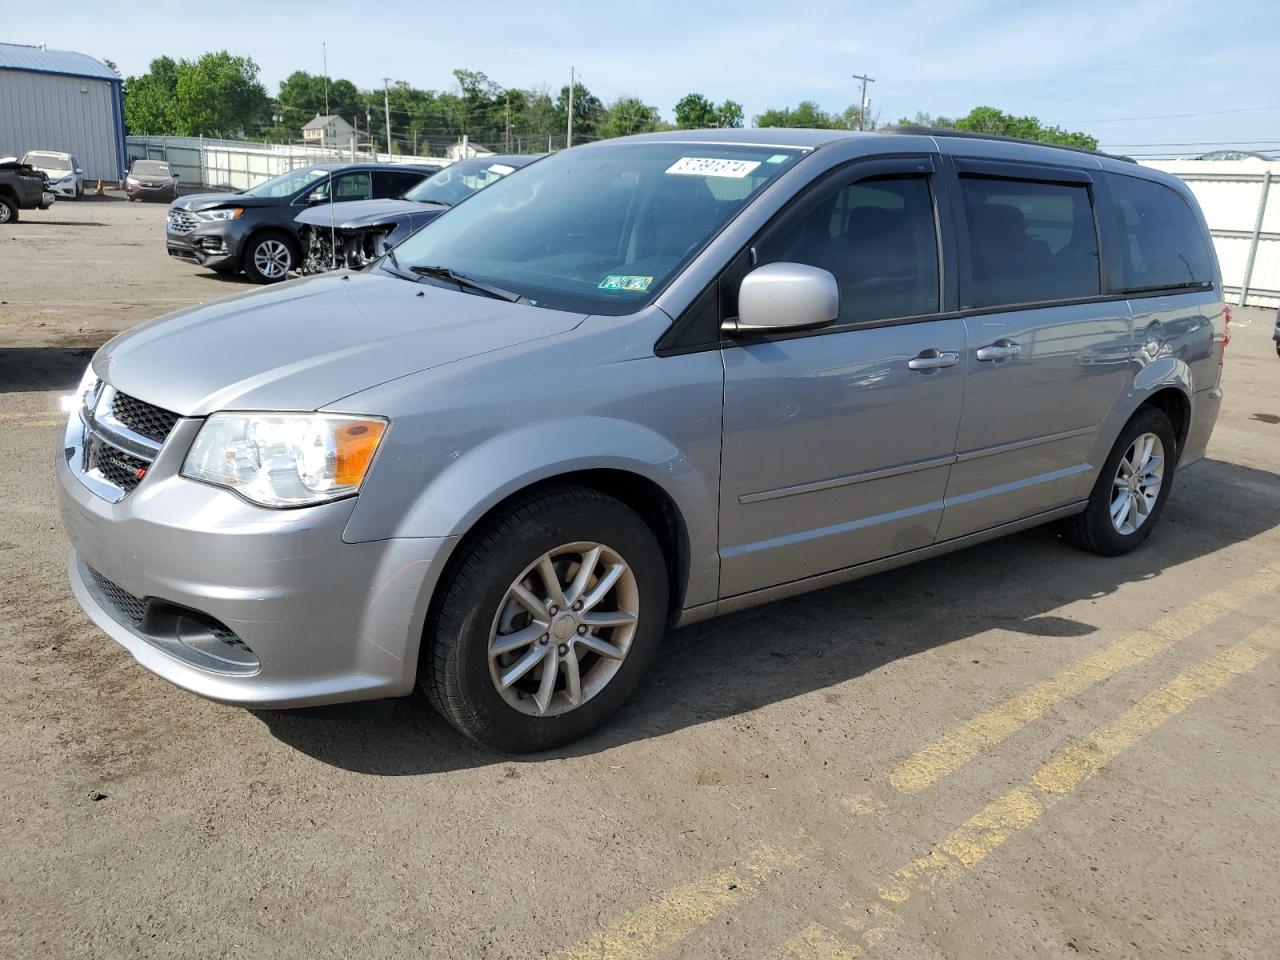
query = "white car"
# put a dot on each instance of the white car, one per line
(66, 178)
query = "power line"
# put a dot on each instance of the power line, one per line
(1175, 116)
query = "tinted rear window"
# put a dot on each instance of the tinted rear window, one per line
(1029, 241)
(1162, 244)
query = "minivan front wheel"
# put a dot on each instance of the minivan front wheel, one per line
(1130, 493)
(546, 621)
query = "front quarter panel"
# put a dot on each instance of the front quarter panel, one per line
(467, 435)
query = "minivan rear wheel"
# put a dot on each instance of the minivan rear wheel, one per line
(546, 621)
(1131, 490)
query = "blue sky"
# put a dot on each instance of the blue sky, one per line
(1087, 65)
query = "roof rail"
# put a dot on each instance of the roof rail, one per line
(972, 135)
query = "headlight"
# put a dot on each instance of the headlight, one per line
(130, 181)
(230, 213)
(285, 459)
(86, 395)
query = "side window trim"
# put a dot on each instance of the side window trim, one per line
(1033, 173)
(925, 164)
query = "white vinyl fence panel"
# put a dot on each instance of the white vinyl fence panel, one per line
(1241, 203)
(239, 165)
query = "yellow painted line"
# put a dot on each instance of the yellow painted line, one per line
(991, 728)
(1003, 818)
(679, 911)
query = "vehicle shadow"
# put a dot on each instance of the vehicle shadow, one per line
(748, 660)
(28, 369)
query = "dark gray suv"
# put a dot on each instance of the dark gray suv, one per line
(639, 383)
(254, 230)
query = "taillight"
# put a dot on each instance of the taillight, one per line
(1226, 332)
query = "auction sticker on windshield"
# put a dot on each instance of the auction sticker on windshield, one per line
(713, 167)
(619, 282)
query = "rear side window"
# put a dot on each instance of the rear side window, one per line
(877, 237)
(1162, 245)
(388, 184)
(1029, 241)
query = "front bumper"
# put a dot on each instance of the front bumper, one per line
(46, 200)
(322, 620)
(166, 192)
(63, 189)
(214, 245)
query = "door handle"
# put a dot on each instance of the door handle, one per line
(1000, 350)
(932, 359)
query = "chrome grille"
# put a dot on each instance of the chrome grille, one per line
(112, 442)
(182, 221)
(116, 467)
(144, 418)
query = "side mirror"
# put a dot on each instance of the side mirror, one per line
(785, 296)
(79, 172)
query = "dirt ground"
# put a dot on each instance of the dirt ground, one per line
(1018, 750)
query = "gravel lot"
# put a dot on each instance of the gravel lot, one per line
(1014, 751)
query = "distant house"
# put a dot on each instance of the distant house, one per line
(328, 131)
(467, 150)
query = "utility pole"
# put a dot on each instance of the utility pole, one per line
(324, 52)
(568, 140)
(508, 123)
(386, 106)
(863, 103)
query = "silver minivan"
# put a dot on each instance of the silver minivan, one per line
(633, 385)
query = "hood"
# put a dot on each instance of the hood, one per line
(307, 343)
(205, 201)
(365, 213)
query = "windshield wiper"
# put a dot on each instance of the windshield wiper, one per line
(467, 283)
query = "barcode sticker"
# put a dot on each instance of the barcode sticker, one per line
(713, 167)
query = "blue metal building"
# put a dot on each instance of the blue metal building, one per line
(64, 101)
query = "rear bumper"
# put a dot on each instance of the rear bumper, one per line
(320, 620)
(1205, 406)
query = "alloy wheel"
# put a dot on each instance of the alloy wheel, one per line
(563, 629)
(272, 259)
(1136, 486)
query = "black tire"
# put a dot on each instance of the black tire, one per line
(454, 663)
(257, 242)
(8, 211)
(79, 191)
(1093, 529)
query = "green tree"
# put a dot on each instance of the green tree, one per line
(694, 111)
(729, 114)
(148, 99)
(628, 115)
(302, 96)
(804, 114)
(991, 120)
(219, 94)
(588, 111)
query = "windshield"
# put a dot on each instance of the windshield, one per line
(47, 161)
(598, 229)
(150, 168)
(458, 181)
(287, 184)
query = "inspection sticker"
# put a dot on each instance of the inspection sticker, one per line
(713, 167)
(619, 282)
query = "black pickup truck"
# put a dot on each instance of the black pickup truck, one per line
(22, 187)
